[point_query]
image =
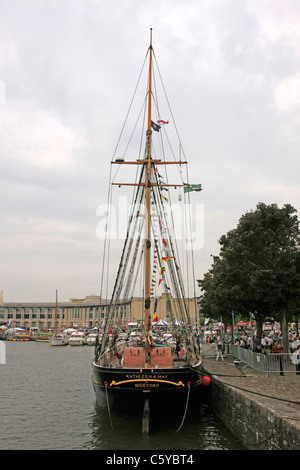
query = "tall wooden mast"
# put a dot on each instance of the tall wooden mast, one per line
(148, 199)
(148, 162)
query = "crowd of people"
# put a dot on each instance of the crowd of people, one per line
(271, 342)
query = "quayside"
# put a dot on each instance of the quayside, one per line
(153, 370)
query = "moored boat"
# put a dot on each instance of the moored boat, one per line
(40, 338)
(91, 339)
(18, 337)
(58, 339)
(145, 375)
(16, 334)
(77, 338)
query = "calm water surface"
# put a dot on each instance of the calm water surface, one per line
(47, 402)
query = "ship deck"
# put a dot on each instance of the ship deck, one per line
(156, 357)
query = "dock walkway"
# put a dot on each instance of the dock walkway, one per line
(275, 398)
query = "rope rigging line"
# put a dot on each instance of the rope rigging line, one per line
(108, 407)
(130, 106)
(116, 289)
(172, 218)
(133, 263)
(192, 250)
(186, 407)
(156, 63)
(110, 181)
(164, 221)
(130, 138)
(127, 251)
(105, 238)
(174, 274)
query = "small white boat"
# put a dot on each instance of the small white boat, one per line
(91, 339)
(77, 339)
(58, 340)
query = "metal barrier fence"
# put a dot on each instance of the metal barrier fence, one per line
(255, 360)
(267, 362)
(283, 363)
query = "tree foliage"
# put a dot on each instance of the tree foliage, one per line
(258, 267)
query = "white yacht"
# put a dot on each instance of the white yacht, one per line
(77, 338)
(58, 340)
(91, 339)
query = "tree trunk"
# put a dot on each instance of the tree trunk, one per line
(284, 332)
(259, 324)
(297, 325)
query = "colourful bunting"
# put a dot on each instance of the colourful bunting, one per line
(166, 258)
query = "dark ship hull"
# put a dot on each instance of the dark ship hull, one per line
(144, 393)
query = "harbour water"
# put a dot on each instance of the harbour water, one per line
(48, 403)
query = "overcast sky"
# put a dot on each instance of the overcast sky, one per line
(67, 72)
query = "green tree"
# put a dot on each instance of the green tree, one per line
(258, 267)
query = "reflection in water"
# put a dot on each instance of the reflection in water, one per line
(201, 431)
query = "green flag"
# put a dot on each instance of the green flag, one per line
(191, 187)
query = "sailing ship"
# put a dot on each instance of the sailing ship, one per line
(147, 374)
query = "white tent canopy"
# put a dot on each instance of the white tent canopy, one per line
(16, 329)
(160, 322)
(177, 322)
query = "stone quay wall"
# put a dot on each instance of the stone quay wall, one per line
(255, 423)
(261, 411)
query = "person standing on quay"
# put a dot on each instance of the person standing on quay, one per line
(219, 349)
